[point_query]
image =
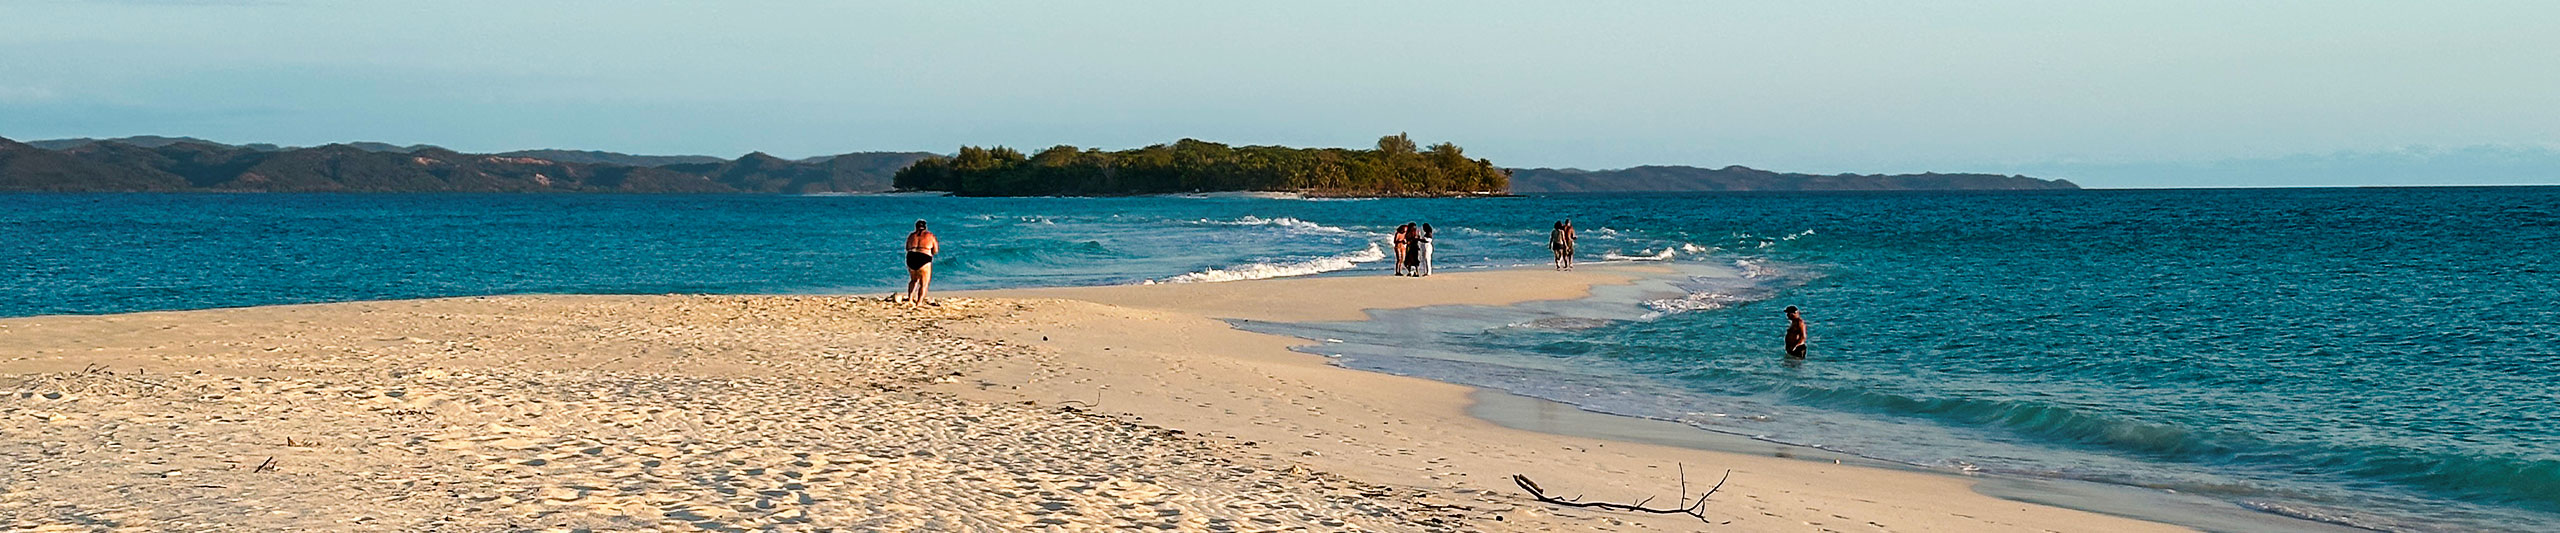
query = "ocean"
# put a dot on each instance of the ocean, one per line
(2384, 358)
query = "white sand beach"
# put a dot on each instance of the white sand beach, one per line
(1100, 408)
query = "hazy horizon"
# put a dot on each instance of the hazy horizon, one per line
(2114, 94)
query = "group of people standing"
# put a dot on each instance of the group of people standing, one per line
(1413, 247)
(1413, 250)
(1413, 258)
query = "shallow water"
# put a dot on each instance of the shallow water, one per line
(2379, 357)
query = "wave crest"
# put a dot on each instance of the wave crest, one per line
(1344, 261)
(1753, 281)
(1641, 255)
(1290, 223)
(1696, 301)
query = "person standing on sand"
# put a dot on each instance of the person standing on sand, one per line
(1795, 334)
(1412, 250)
(1570, 239)
(1403, 244)
(921, 247)
(1422, 252)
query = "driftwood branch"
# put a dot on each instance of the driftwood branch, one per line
(1097, 401)
(1696, 508)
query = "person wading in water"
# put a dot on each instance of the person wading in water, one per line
(921, 247)
(1795, 334)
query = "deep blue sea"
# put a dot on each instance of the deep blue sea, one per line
(2388, 358)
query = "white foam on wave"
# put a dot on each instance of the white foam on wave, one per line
(1462, 230)
(1751, 269)
(1344, 261)
(1014, 219)
(1753, 280)
(1280, 222)
(1765, 242)
(1694, 249)
(1643, 255)
(1697, 301)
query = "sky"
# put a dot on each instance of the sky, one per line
(2110, 93)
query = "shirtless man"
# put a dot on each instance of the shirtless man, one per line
(1795, 334)
(1557, 243)
(1568, 244)
(921, 247)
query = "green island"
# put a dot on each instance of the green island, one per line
(1396, 167)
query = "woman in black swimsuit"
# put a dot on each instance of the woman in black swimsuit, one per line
(921, 246)
(1412, 250)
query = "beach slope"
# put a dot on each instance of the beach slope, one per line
(1073, 409)
(1164, 354)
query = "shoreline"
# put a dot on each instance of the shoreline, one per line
(2185, 510)
(1526, 411)
(1479, 414)
(1156, 373)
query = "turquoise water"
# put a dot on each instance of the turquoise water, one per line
(2378, 357)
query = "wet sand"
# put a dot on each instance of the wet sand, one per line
(1164, 353)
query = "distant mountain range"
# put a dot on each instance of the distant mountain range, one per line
(187, 164)
(593, 157)
(1739, 178)
(155, 163)
(151, 141)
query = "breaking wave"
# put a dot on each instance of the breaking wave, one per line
(1344, 261)
(1765, 242)
(1642, 255)
(1750, 269)
(1281, 222)
(1696, 301)
(1753, 281)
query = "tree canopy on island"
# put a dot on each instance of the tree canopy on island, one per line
(1395, 168)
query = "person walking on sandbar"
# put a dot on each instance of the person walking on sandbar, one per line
(921, 247)
(1795, 334)
(1561, 240)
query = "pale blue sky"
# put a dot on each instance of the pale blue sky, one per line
(1868, 86)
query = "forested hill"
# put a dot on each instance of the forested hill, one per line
(1396, 167)
(181, 164)
(1738, 178)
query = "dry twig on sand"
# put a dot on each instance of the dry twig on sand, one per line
(1696, 508)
